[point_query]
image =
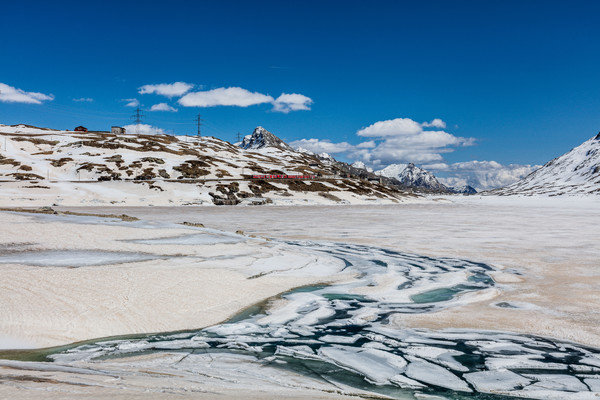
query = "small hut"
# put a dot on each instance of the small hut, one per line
(117, 130)
(81, 129)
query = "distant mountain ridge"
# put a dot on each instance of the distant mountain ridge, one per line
(575, 172)
(415, 177)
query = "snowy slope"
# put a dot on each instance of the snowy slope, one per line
(392, 171)
(98, 167)
(361, 165)
(576, 172)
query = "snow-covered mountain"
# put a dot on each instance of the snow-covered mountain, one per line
(413, 176)
(575, 172)
(392, 171)
(262, 138)
(419, 177)
(40, 166)
(326, 158)
(361, 165)
(465, 189)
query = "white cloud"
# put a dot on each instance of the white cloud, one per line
(131, 102)
(231, 96)
(162, 107)
(482, 175)
(9, 94)
(167, 89)
(291, 102)
(322, 146)
(403, 140)
(144, 129)
(391, 127)
(388, 153)
(367, 145)
(436, 123)
(396, 141)
(84, 100)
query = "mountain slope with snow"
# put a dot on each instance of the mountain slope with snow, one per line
(44, 167)
(575, 172)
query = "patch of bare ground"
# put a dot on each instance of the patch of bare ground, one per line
(260, 186)
(146, 175)
(153, 160)
(25, 176)
(9, 161)
(300, 186)
(329, 196)
(34, 140)
(226, 195)
(222, 173)
(117, 159)
(192, 169)
(60, 162)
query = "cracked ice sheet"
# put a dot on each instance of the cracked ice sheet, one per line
(496, 381)
(376, 365)
(562, 383)
(432, 374)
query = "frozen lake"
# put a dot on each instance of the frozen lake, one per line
(340, 334)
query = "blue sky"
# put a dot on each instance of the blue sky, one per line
(513, 82)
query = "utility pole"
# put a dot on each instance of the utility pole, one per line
(199, 122)
(137, 118)
(239, 137)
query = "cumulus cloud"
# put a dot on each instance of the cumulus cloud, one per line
(367, 145)
(322, 146)
(163, 107)
(435, 123)
(231, 96)
(144, 129)
(291, 102)
(403, 140)
(84, 100)
(167, 89)
(9, 94)
(131, 102)
(482, 175)
(392, 127)
(395, 141)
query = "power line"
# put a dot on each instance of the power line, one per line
(239, 137)
(137, 118)
(199, 122)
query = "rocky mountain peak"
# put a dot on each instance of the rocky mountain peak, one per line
(413, 176)
(262, 138)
